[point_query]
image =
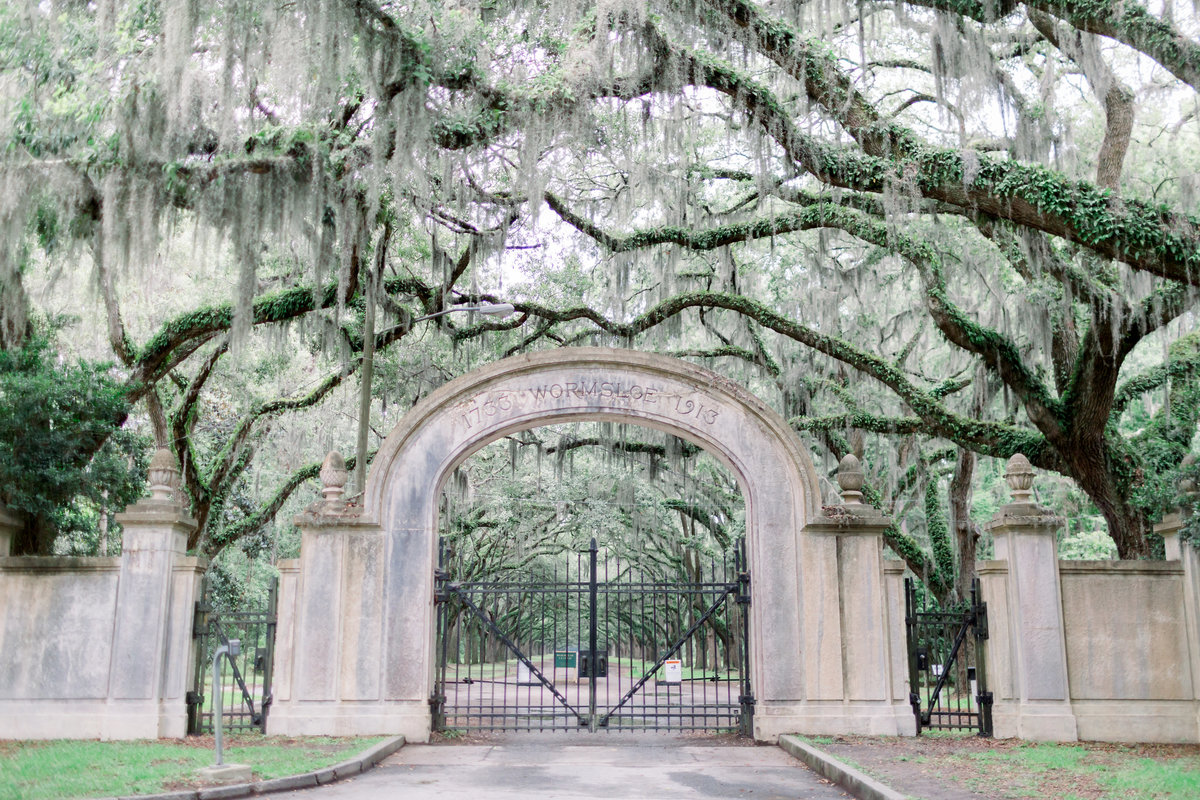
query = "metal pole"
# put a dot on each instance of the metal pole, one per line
(229, 651)
(593, 662)
(218, 711)
(371, 291)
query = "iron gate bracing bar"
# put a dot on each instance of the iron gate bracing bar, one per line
(449, 589)
(947, 663)
(591, 649)
(255, 628)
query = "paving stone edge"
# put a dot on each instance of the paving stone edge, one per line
(360, 763)
(863, 786)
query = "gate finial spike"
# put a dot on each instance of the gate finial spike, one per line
(850, 479)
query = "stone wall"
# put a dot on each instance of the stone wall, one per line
(56, 627)
(1129, 662)
(1094, 650)
(101, 647)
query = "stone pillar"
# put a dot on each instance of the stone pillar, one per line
(1024, 534)
(1172, 524)
(152, 630)
(865, 659)
(1176, 550)
(9, 525)
(329, 666)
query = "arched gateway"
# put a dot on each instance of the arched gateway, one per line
(355, 639)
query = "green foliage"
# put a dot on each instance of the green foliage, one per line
(939, 539)
(1088, 544)
(1159, 448)
(52, 411)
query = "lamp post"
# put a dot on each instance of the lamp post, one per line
(368, 370)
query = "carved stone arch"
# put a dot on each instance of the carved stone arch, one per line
(372, 566)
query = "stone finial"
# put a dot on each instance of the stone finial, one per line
(163, 475)
(850, 479)
(1020, 478)
(1187, 484)
(333, 477)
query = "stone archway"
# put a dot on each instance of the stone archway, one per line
(356, 612)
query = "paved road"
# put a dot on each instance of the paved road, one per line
(617, 766)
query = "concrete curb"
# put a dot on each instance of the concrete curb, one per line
(360, 763)
(863, 786)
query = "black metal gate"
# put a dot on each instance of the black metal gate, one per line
(946, 662)
(605, 646)
(245, 679)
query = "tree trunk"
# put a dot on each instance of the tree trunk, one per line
(1094, 470)
(966, 532)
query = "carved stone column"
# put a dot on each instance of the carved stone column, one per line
(1024, 532)
(859, 612)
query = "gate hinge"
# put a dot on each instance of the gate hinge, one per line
(194, 698)
(746, 699)
(441, 581)
(984, 698)
(200, 619)
(981, 623)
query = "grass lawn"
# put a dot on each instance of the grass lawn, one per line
(76, 769)
(940, 765)
(1084, 771)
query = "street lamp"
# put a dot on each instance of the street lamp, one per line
(368, 369)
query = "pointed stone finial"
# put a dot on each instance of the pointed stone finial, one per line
(163, 475)
(333, 477)
(850, 479)
(1019, 477)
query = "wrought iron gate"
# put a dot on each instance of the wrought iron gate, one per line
(606, 646)
(947, 667)
(245, 680)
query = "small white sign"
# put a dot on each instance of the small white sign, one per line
(524, 675)
(672, 671)
(937, 670)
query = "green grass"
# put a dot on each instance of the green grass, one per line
(1148, 778)
(78, 769)
(1017, 770)
(1124, 774)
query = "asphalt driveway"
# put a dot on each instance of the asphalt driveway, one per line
(595, 766)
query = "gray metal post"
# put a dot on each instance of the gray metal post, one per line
(229, 651)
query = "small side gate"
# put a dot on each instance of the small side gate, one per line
(603, 646)
(246, 679)
(946, 662)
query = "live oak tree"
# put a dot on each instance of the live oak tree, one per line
(962, 228)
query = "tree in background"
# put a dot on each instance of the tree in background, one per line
(925, 231)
